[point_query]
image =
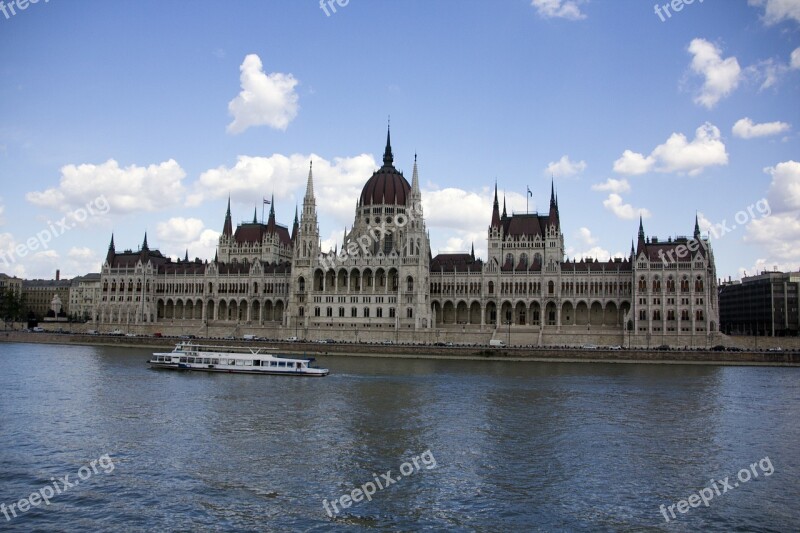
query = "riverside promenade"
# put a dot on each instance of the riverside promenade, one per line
(428, 351)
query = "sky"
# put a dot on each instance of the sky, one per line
(133, 117)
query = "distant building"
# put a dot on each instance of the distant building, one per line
(766, 304)
(84, 295)
(10, 283)
(39, 294)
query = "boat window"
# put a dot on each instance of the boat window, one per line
(281, 364)
(183, 359)
(273, 363)
(248, 363)
(256, 362)
(231, 361)
(215, 361)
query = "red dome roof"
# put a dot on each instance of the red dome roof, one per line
(387, 185)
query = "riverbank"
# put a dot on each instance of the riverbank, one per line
(410, 351)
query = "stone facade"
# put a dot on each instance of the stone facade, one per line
(383, 283)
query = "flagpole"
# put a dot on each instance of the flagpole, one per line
(262, 211)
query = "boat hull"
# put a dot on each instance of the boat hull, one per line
(185, 367)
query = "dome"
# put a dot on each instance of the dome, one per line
(387, 185)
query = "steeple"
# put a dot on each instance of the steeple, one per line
(255, 215)
(472, 252)
(388, 158)
(310, 184)
(144, 243)
(696, 227)
(111, 251)
(504, 208)
(415, 178)
(227, 229)
(271, 220)
(186, 256)
(554, 216)
(640, 245)
(295, 225)
(495, 209)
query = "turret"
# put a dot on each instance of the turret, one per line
(227, 229)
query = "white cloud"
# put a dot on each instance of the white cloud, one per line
(624, 211)
(784, 190)
(564, 168)
(778, 234)
(81, 260)
(746, 129)
(613, 185)
(633, 163)
(179, 235)
(126, 190)
(265, 99)
(567, 9)
(794, 62)
(770, 70)
(776, 11)
(585, 236)
(2, 212)
(337, 183)
(721, 76)
(179, 229)
(678, 154)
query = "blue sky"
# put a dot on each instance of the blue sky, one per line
(134, 110)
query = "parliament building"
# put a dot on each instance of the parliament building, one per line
(382, 284)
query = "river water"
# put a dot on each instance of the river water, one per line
(468, 445)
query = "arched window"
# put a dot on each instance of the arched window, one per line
(491, 287)
(523, 260)
(388, 243)
(550, 287)
(301, 284)
(410, 283)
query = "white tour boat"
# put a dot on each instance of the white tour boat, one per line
(232, 359)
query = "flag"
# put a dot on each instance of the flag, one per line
(266, 201)
(529, 192)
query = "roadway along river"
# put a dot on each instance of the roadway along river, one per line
(91, 439)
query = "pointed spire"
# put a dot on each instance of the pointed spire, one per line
(641, 242)
(295, 226)
(696, 227)
(310, 184)
(111, 251)
(271, 220)
(504, 207)
(144, 243)
(388, 158)
(472, 252)
(554, 217)
(255, 215)
(186, 256)
(415, 178)
(495, 209)
(227, 229)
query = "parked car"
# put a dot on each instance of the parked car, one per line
(37, 329)
(291, 339)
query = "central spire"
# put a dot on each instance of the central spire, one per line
(388, 158)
